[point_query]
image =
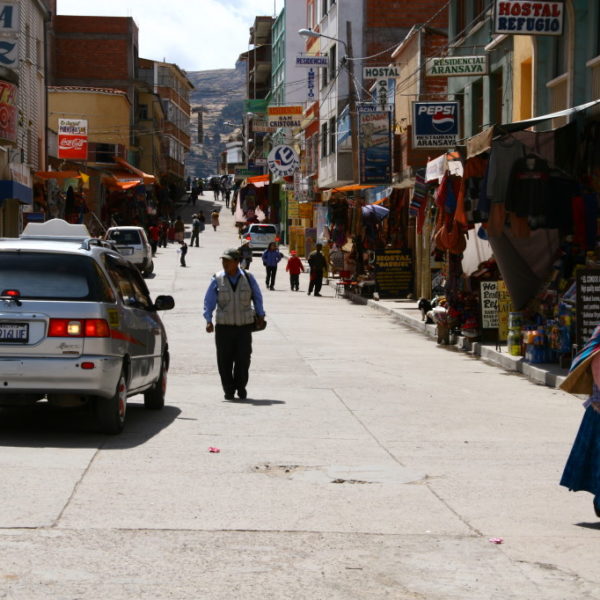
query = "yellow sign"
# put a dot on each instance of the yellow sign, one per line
(284, 111)
(113, 318)
(306, 210)
(504, 307)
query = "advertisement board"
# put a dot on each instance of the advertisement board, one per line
(283, 161)
(312, 61)
(394, 272)
(457, 66)
(435, 124)
(524, 17)
(375, 147)
(9, 112)
(73, 139)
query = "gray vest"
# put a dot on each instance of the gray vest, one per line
(234, 308)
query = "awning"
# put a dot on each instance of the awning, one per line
(121, 180)
(351, 188)
(146, 177)
(12, 190)
(258, 181)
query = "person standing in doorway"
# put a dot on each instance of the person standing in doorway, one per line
(294, 267)
(317, 264)
(237, 298)
(271, 257)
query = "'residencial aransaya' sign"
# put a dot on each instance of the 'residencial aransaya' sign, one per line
(525, 17)
(457, 66)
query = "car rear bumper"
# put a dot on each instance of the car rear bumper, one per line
(60, 376)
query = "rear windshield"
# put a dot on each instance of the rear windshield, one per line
(53, 276)
(264, 229)
(125, 236)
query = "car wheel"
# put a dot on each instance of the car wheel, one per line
(111, 412)
(148, 270)
(154, 398)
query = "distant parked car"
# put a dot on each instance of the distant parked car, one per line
(260, 235)
(133, 244)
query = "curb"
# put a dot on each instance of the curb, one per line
(543, 374)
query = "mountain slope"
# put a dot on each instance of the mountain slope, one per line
(219, 94)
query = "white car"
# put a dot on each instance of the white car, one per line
(77, 325)
(133, 244)
(260, 235)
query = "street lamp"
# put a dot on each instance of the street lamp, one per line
(353, 95)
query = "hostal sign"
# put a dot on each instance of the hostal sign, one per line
(457, 66)
(518, 17)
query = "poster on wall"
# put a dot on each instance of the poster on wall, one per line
(9, 112)
(73, 139)
(524, 17)
(375, 147)
(588, 304)
(489, 304)
(394, 272)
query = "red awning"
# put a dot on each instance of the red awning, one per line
(57, 174)
(146, 177)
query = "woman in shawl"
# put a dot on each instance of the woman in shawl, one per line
(582, 471)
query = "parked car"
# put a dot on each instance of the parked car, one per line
(78, 325)
(260, 235)
(133, 244)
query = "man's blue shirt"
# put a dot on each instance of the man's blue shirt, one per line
(210, 298)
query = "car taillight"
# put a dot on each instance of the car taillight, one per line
(277, 239)
(248, 238)
(78, 328)
(12, 293)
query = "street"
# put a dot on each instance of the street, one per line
(366, 463)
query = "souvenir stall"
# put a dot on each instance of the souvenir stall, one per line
(252, 205)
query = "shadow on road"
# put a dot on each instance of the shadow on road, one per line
(254, 402)
(589, 525)
(42, 426)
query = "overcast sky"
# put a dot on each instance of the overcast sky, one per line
(197, 35)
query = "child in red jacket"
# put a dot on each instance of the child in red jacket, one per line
(294, 268)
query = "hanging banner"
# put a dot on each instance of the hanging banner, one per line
(73, 139)
(588, 303)
(520, 17)
(435, 124)
(311, 85)
(375, 147)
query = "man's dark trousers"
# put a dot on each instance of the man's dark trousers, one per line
(234, 348)
(316, 281)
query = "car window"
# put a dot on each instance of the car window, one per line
(129, 283)
(125, 236)
(53, 276)
(264, 229)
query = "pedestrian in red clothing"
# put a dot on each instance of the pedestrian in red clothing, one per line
(294, 268)
(154, 232)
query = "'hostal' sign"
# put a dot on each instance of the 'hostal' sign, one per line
(520, 17)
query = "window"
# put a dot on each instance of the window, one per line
(143, 112)
(460, 18)
(477, 106)
(324, 76)
(332, 135)
(496, 97)
(332, 63)
(323, 140)
(559, 54)
(323, 8)
(51, 276)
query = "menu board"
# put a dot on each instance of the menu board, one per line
(588, 304)
(394, 272)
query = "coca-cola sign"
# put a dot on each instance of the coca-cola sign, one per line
(72, 139)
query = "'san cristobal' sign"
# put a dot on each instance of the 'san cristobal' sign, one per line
(525, 17)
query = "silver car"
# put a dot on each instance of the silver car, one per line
(78, 326)
(260, 235)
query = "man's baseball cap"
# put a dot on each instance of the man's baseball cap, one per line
(231, 254)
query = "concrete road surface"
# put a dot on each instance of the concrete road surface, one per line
(366, 463)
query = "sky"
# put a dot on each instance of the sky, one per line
(197, 35)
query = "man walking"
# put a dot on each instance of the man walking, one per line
(317, 264)
(236, 296)
(195, 231)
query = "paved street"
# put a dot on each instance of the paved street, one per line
(367, 463)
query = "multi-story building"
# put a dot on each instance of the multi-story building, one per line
(23, 106)
(173, 87)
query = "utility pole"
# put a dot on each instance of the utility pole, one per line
(353, 96)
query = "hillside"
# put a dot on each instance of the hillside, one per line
(220, 95)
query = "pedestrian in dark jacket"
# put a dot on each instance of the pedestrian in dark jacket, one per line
(317, 264)
(182, 252)
(271, 257)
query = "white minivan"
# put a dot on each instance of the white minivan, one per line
(133, 244)
(260, 235)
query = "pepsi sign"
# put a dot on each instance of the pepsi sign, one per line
(435, 124)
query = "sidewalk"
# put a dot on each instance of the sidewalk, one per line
(407, 313)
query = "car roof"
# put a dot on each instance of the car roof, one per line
(87, 247)
(126, 227)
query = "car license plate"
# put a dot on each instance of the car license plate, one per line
(14, 333)
(126, 251)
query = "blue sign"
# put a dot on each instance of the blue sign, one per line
(435, 124)
(375, 147)
(312, 61)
